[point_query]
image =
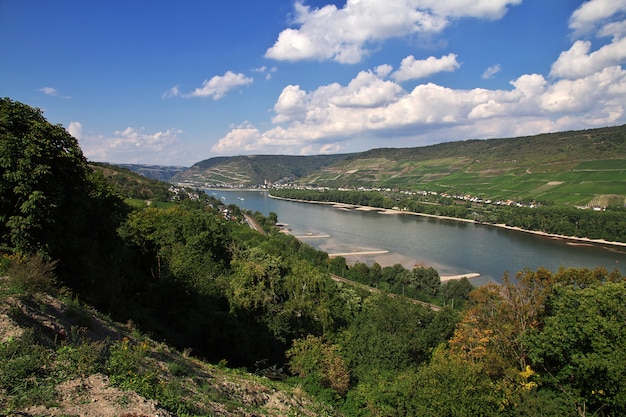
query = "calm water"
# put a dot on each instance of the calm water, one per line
(449, 246)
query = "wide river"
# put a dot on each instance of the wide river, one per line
(451, 247)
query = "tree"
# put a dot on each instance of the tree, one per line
(392, 335)
(52, 203)
(456, 292)
(491, 328)
(580, 348)
(313, 359)
(43, 174)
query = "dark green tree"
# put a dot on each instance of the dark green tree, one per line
(579, 350)
(52, 203)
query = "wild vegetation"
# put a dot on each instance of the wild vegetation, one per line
(196, 278)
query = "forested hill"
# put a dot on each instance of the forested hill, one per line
(566, 167)
(254, 169)
(155, 172)
(190, 272)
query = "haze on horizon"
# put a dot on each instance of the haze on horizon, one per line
(175, 83)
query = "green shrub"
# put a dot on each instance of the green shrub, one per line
(79, 360)
(32, 274)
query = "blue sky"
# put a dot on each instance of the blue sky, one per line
(174, 83)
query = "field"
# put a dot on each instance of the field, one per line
(582, 168)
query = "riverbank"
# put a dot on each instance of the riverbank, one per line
(572, 239)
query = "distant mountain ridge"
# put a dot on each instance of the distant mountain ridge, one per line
(155, 172)
(571, 167)
(251, 170)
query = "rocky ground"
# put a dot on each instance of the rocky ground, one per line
(216, 390)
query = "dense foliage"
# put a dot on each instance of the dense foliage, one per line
(197, 276)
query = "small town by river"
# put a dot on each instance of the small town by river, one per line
(455, 248)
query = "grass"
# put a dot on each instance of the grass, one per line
(32, 366)
(568, 168)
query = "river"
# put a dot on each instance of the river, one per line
(451, 247)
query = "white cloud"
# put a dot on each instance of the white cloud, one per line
(76, 130)
(483, 9)
(333, 116)
(366, 90)
(49, 91)
(345, 34)
(411, 69)
(383, 70)
(613, 29)
(172, 92)
(491, 71)
(578, 62)
(52, 92)
(216, 87)
(601, 90)
(593, 13)
(291, 104)
(133, 145)
(267, 71)
(244, 138)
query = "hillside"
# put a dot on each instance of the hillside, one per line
(573, 167)
(194, 276)
(253, 170)
(155, 172)
(567, 167)
(72, 360)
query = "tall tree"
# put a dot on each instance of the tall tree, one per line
(579, 350)
(51, 202)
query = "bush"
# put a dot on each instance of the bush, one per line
(32, 274)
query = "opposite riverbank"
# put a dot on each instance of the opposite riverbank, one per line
(571, 239)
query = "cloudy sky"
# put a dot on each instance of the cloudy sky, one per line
(176, 82)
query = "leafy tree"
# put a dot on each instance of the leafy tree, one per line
(491, 328)
(319, 362)
(580, 347)
(392, 335)
(450, 386)
(52, 203)
(456, 292)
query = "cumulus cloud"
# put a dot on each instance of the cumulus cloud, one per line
(592, 13)
(411, 68)
(383, 70)
(491, 71)
(344, 35)
(578, 62)
(585, 88)
(332, 116)
(75, 129)
(133, 145)
(216, 87)
(245, 138)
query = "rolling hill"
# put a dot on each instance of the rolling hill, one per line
(572, 167)
(252, 170)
